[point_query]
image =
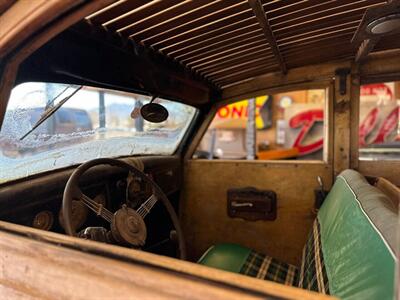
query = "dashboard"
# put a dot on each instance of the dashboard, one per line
(37, 202)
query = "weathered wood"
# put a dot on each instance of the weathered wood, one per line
(366, 40)
(388, 169)
(365, 48)
(78, 63)
(47, 265)
(5, 4)
(259, 12)
(116, 10)
(182, 31)
(204, 205)
(31, 16)
(261, 84)
(26, 17)
(380, 65)
(7, 78)
(354, 116)
(341, 136)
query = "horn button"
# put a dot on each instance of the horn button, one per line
(128, 227)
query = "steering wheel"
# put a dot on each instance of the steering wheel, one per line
(127, 224)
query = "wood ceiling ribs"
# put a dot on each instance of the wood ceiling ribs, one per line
(259, 12)
(232, 41)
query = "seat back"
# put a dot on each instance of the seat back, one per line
(350, 252)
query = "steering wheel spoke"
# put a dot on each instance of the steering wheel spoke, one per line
(97, 208)
(126, 228)
(146, 206)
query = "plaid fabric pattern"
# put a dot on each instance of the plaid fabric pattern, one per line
(268, 268)
(313, 272)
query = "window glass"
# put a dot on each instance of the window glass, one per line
(379, 133)
(283, 126)
(93, 123)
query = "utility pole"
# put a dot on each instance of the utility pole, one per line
(251, 129)
(102, 110)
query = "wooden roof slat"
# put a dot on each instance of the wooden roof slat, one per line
(313, 26)
(273, 6)
(218, 44)
(244, 71)
(179, 20)
(229, 56)
(214, 33)
(151, 8)
(227, 47)
(216, 65)
(351, 26)
(303, 41)
(259, 12)
(233, 13)
(228, 41)
(318, 16)
(203, 30)
(244, 65)
(306, 8)
(166, 15)
(228, 53)
(332, 32)
(246, 75)
(206, 40)
(116, 10)
(317, 44)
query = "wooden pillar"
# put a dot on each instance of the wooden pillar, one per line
(342, 121)
(354, 117)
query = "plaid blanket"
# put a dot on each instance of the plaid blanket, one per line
(268, 268)
(313, 272)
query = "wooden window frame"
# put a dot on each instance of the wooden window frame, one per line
(326, 84)
(380, 67)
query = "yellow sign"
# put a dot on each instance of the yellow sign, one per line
(239, 110)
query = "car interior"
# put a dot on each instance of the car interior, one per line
(256, 137)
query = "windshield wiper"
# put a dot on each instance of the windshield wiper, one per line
(50, 111)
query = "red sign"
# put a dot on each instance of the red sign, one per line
(306, 120)
(377, 89)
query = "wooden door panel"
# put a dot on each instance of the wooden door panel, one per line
(204, 206)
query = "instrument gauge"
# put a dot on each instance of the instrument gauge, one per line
(43, 220)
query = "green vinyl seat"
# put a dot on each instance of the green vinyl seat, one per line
(238, 259)
(349, 252)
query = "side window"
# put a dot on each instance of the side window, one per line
(287, 125)
(379, 131)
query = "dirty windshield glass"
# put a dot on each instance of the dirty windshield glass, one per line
(92, 123)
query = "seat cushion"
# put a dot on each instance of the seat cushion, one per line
(350, 253)
(238, 259)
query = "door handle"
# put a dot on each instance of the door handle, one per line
(241, 204)
(251, 204)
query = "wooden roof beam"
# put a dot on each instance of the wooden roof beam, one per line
(259, 12)
(365, 48)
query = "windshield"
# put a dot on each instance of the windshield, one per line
(92, 123)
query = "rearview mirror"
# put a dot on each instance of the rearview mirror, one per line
(154, 112)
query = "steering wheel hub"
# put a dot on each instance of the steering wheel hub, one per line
(128, 227)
